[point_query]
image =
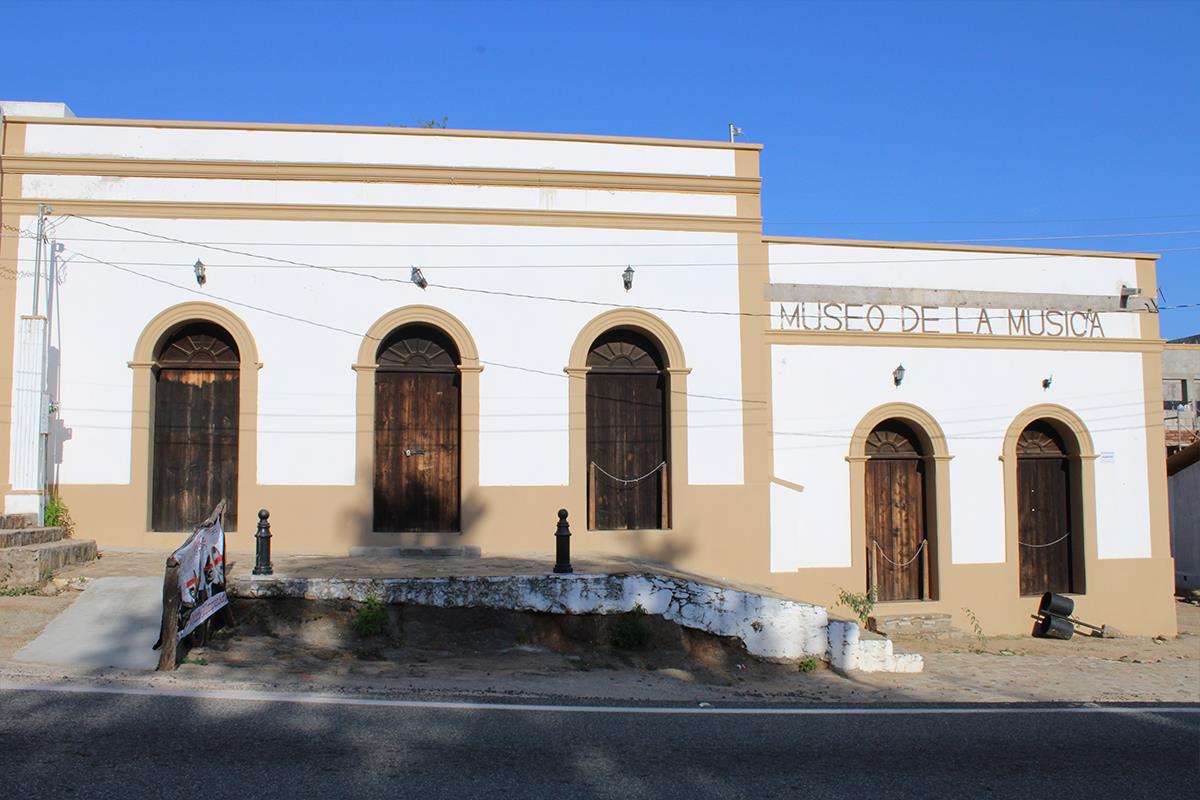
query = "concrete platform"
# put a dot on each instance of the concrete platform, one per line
(113, 623)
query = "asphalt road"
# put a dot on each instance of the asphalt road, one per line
(55, 744)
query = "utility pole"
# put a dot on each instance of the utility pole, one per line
(43, 411)
(734, 132)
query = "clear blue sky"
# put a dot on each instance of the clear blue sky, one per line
(922, 121)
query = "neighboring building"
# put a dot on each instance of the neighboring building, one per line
(1181, 393)
(1183, 487)
(963, 427)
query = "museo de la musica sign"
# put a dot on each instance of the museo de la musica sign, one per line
(920, 319)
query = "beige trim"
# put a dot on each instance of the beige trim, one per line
(1081, 455)
(865, 339)
(1160, 521)
(352, 213)
(795, 487)
(1171, 346)
(143, 362)
(395, 131)
(967, 248)
(364, 438)
(677, 375)
(937, 496)
(381, 173)
(12, 143)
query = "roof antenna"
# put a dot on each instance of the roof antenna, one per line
(734, 132)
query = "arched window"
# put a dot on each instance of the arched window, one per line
(195, 450)
(898, 546)
(417, 431)
(1049, 544)
(627, 433)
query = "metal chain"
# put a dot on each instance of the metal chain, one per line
(1047, 544)
(627, 481)
(906, 563)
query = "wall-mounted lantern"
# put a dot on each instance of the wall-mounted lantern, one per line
(898, 375)
(201, 276)
(416, 277)
(627, 278)
(1046, 382)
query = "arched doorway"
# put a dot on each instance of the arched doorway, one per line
(195, 455)
(1049, 550)
(417, 431)
(627, 442)
(898, 548)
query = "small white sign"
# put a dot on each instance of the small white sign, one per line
(1107, 457)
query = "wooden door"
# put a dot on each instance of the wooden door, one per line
(895, 513)
(195, 456)
(417, 433)
(627, 447)
(1044, 536)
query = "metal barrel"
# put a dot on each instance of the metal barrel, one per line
(1056, 604)
(1055, 628)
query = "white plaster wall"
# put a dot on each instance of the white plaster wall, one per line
(212, 190)
(372, 148)
(820, 393)
(306, 386)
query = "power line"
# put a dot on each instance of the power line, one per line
(306, 321)
(1073, 236)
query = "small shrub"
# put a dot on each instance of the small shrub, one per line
(59, 516)
(371, 618)
(199, 661)
(807, 665)
(19, 591)
(980, 636)
(861, 603)
(629, 632)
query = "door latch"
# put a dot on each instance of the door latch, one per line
(414, 451)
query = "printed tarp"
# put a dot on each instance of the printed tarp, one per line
(201, 563)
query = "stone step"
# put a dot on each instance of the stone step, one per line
(17, 521)
(410, 551)
(20, 537)
(893, 625)
(33, 564)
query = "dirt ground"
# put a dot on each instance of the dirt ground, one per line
(524, 656)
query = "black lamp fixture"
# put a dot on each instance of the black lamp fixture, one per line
(1046, 382)
(898, 375)
(201, 276)
(627, 278)
(417, 278)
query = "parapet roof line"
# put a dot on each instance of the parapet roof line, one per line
(386, 129)
(959, 247)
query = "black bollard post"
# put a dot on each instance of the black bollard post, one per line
(262, 549)
(562, 541)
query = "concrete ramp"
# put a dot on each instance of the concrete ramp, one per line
(113, 623)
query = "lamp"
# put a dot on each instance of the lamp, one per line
(201, 277)
(417, 278)
(898, 375)
(627, 278)
(1046, 382)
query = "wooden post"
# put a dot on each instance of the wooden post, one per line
(591, 499)
(168, 632)
(873, 574)
(665, 522)
(925, 568)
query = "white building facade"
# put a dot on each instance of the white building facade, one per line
(736, 411)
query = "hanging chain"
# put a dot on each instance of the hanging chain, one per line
(906, 563)
(1047, 544)
(628, 481)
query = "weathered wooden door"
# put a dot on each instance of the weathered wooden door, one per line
(1045, 540)
(417, 425)
(895, 511)
(195, 457)
(627, 443)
